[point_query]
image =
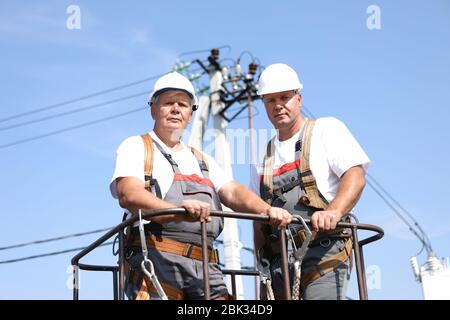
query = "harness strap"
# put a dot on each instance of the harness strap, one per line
(179, 248)
(310, 194)
(266, 188)
(146, 287)
(148, 159)
(150, 183)
(328, 265)
(173, 293)
(287, 187)
(202, 161)
(168, 157)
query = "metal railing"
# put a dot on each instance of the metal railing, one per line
(118, 271)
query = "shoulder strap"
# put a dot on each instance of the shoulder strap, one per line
(148, 165)
(148, 158)
(203, 162)
(310, 194)
(266, 185)
(168, 157)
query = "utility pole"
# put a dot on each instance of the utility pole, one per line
(220, 100)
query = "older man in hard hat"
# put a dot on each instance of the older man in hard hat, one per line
(156, 171)
(312, 168)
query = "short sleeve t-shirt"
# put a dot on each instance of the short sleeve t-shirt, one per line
(130, 163)
(333, 151)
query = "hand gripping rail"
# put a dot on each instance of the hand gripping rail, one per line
(118, 271)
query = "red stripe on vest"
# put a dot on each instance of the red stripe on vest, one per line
(193, 178)
(284, 168)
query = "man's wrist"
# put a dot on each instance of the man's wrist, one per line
(337, 211)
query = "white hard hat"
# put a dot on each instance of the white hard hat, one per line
(278, 77)
(174, 81)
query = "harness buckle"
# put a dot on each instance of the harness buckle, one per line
(305, 200)
(325, 243)
(188, 250)
(278, 193)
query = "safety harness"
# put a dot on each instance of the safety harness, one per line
(150, 237)
(309, 198)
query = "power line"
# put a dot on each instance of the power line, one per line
(50, 254)
(73, 235)
(404, 210)
(411, 228)
(3, 146)
(202, 50)
(423, 238)
(97, 105)
(57, 105)
(98, 93)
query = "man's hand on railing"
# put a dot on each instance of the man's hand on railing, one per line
(325, 220)
(197, 210)
(278, 217)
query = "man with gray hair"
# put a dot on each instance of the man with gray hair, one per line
(157, 171)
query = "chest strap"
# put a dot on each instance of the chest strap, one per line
(310, 194)
(151, 184)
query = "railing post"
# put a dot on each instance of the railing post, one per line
(76, 281)
(360, 274)
(115, 280)
(205, 261)
(121, 265)
(233, 284)
(284, 265)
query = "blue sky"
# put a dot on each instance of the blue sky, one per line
(390, 86)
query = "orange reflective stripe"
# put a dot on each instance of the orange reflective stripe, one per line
(193, 178)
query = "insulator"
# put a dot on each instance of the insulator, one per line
(415, 267)
(238, 69)
(433, 263)
(194, 76)
(225, 73)
(446, 263)
(181, 65)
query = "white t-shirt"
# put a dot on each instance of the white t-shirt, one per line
(130, 163)
(333, 151)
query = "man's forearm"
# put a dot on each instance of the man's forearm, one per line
(242, 199)
(142, 199)
(350, 188)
